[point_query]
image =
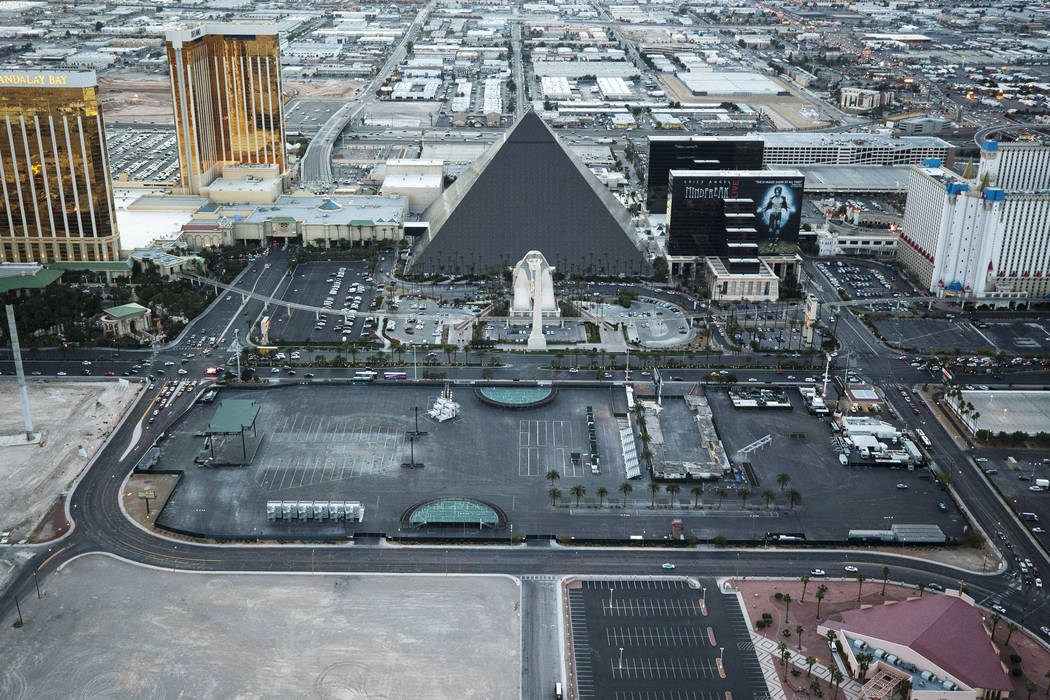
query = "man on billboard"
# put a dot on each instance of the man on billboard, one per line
(776, 211)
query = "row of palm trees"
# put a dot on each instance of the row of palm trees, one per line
(578, 491)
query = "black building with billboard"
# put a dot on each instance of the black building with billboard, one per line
(667, 153)
(732, 212)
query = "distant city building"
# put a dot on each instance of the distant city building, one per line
(54, 170)
(987, 236)
(228, 99)
(696, 153)
(855, 99)
(923, 126)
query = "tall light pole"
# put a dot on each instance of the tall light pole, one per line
(16, 352)
(621, 659)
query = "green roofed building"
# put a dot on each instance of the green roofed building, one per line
(18, 276)
(127, 320)
(446, 512)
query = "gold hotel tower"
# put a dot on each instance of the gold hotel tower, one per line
(227, 94)
(54, 169)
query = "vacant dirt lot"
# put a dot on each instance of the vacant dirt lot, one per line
(136, 97)
(107, 629)
(338, 89)
(69, 415)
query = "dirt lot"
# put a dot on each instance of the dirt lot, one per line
(69, 415)
(108, 629)
(791, 109)
(339, 89)
(136, 97)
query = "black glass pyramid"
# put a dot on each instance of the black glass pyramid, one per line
(528, 192)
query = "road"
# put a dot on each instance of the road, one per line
(100, 526)
(316, 167)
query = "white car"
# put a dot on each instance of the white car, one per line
(573, 370)
(182, 371)
(851, 569)
(817, 572)
(999, 609)
(169, 363)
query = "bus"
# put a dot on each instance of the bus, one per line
(922, 438)
(363, 376)
(395, 375)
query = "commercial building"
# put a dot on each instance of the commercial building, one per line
(228, 98)
(528, 191)
(128, 320)
(988, 236)
(861, 243)
(419, 181)
(855, 99)
(761, 207)
(791, 149)
(54, 172)
(696, 153)
(1004, 411)
(938, 644)
(318, 221)
(729, 84)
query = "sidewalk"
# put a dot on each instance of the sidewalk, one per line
(769, 660)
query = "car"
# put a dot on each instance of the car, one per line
(182, 371)
(851, 569)
(308, 375)
(573, 370)
(275, 370)
(1039, 583)
(991, 472)
(37, 373)
(60, 374)
(943, 507)
(1045, 630)
(902, 486)
(1038, 530)
(85, 372)
(86, 362)
(935, 587)
(110, 374)
(668, 565)
(752, 379)
(817, 572)
(169, 363)
(999, 609)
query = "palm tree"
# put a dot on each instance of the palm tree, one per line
(885, 577)
(784, 656)
(697, 492)
(922, 587)
(782, 480)
(553, 476)
(836, 678)
(996, 617)
(805, 583)
(782, 647)
(625, 489)
(1047, 676)
(744, 493)
(721, 493)
(794, 498)
(864, 662)
(578, 491)
(821, 590)
(602, 493)
(654, 488)
(555, 494)
(860, 585)
(1029, 686)
(1011, 628)
(768, 496)
(673, 489)
(810, 660)
(799, 629)
(787, 606)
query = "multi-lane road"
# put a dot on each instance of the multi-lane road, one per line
(100, 526)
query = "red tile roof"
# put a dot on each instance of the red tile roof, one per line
(942, 628)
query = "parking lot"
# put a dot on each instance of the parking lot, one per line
(572, 331)
(347, 442)
(320, 284)
(651, 640)
(651, 322)
(929, 335)
(143, 153)
(1022, 337)
(415, 330)
(835, 498)
(864, 280)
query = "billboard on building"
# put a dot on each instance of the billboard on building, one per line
(773, 197)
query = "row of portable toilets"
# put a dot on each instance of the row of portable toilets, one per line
(351, 511)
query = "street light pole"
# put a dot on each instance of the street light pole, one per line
(621, 659)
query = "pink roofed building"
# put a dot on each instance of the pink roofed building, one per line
(938, 643)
